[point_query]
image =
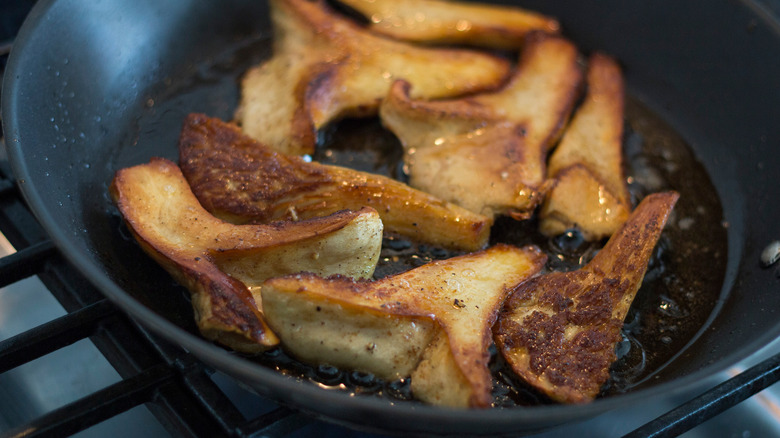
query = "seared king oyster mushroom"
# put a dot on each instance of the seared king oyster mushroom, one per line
(241, 180)
(325, 67)
(452, 22)
(432, 322)
(558, 331)
(223, 264)
(487, 152)
(591, 192)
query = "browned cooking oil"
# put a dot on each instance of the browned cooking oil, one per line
(681, 286)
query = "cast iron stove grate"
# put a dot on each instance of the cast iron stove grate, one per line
(173, 385)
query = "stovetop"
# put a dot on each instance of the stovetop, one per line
(71, 363)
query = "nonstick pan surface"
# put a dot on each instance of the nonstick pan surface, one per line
(92, 87)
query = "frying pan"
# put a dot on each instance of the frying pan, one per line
(95, 86)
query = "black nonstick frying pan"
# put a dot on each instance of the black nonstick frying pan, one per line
(91, 87)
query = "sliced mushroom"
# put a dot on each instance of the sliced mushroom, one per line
(326, 67)
(558, 331)
(432, 322)
(241, 180)
(223, 264)
(448, 22)
(487, 152)
(591, 192)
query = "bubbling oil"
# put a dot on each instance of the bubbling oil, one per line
(679, 291)
(683, 279)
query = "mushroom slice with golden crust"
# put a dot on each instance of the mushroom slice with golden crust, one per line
(433, 322)
(325, 67)
(558, 331)
(591, 192)
(452, 22)
(487, 152)
(241, 180)
(223, 264)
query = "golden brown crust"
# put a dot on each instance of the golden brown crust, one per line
(326, 67)
(446, 22)
(241, 180)
(220, 302)
(461, 295)
(558, 331)
(589, 159)
(487, 152)
(209, 256)
(580, 200)
(237, 178)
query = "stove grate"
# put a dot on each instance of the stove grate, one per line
(176, 387)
